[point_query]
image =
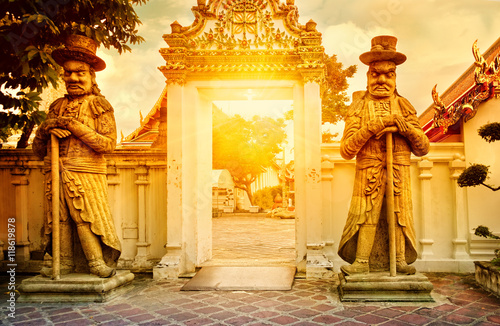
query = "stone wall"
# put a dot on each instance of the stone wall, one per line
(443, 221)
(137, 196)
(138, 191)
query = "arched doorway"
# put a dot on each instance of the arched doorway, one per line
(233, 46)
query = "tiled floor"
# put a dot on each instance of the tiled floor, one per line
(459, 301)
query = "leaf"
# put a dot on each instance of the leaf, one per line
(25, 68)
(32, 54)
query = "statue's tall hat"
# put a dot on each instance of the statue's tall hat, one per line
(383, 49)
(79, 48)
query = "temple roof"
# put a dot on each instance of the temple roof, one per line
(459, 103)
(147, 132)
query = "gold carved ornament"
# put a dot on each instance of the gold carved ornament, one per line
(242, 24)
(487, 78)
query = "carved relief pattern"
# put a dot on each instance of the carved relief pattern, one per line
(242, 24)
(487, 78)
(243, 39)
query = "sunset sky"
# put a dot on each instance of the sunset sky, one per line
(435, 35)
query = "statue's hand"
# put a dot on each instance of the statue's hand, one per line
(48, 125)
(60, 133)
(389, 120)
(401, 124)
(62, 122)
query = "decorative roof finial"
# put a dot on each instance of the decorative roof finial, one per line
(311, 26)
(176, 27)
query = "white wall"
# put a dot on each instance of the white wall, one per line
(129, 172)
(442, 222)
(483, 203)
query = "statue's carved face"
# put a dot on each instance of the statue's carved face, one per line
(77, 77)
(382, 79)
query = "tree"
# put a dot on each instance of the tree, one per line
(245, 148)
(476, 174)
(335, 97)
(31, 29)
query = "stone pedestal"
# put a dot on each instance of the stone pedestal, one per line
(74, 288)
(170, 265)
(380, 287)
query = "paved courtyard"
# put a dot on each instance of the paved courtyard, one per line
(459, 301)
(252, 239)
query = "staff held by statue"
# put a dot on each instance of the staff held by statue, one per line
(56, 238)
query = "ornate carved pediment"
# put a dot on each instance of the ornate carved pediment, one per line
(247, 37)
(241, 24)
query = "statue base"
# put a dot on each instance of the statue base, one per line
(381, 287)
(74, 287)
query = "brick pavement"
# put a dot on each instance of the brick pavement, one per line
(311, 302)
(459, 301)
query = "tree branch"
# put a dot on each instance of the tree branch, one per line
(490, 187)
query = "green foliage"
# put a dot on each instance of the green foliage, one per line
(484, 231)
(31, 29)
(490, 132)
(474, 175)
(264, 198)
(244, 147)
(334, 97)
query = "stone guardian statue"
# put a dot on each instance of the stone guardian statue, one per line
(83, 120)
(372, 114)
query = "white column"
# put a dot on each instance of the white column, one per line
(22, 213)
(204, 190)
(318, 265)
(312, 124)
(425, 177)
(189, 179)
(460, 225)
(143, 245)
(175, 99)
(327, 167)
(170, 265)
(300, 172)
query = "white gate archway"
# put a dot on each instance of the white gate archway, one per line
(233, 46)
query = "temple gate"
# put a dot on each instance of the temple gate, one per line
(231, 47)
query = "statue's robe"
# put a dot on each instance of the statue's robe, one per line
(368, 200)
(83, 182)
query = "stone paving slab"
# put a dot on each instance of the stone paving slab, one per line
(459, 301)
(227, 278)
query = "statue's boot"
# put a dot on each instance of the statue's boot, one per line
(67, 265)
(401, 265)
(93, 251)
(366, 237)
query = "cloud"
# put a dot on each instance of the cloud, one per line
(436, 36)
